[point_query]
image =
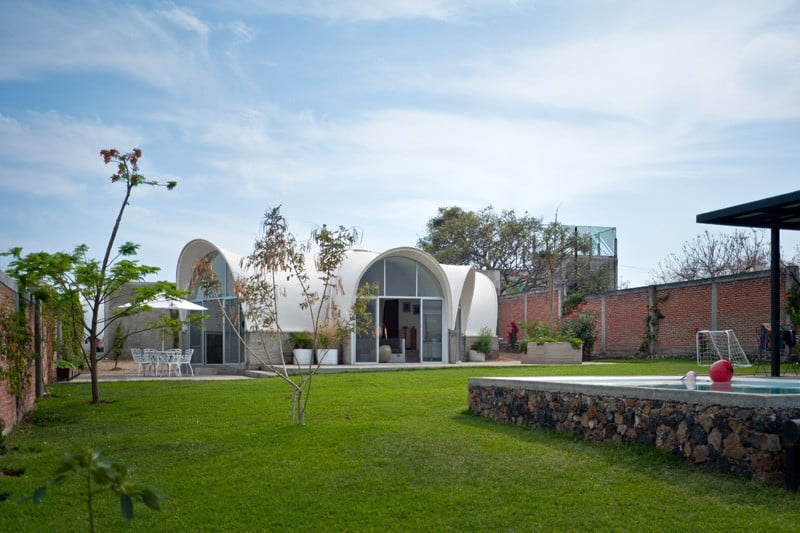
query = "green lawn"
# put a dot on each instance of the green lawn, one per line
(380, 451)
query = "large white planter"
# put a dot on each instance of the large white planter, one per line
(328, 356)
(303, 356)
(552, 353)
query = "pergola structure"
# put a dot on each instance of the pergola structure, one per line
(775, 213)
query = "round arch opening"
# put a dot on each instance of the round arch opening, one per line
(407, 321)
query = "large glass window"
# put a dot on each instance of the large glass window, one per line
(427, 284)
(432, 330)
(401, 277)
(214, 339)
(407, 315)
(374, 275)
(365, 344)
(232, 352)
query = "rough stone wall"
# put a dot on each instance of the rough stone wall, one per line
(741, 441)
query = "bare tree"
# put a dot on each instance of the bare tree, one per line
(278, 258)
(710, 255)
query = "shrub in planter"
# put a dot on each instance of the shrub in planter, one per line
(483, 343)
(482, 346)
(303, 347)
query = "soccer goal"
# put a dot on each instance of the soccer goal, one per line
(715, 345)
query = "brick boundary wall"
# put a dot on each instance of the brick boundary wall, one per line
(740, 302)
(11, 409)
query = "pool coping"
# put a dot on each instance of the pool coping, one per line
(628, 387)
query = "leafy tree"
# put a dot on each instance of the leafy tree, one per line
(710, 255)
(77, 282)
(487, 240)
(557, 245)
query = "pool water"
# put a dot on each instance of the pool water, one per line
(747, 388)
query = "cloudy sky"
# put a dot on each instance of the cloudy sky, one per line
(637, 115)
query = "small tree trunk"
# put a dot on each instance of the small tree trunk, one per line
(93, 371)
(95, 386)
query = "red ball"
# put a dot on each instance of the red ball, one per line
(721, 371)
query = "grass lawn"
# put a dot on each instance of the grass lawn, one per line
(380, 451)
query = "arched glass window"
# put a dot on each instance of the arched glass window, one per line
(214, 339)
(223, 274)
(406, 319)
(400, 276)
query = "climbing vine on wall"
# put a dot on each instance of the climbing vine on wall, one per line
(16, 350)
(651, 322)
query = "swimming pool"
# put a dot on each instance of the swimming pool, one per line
(736, 430)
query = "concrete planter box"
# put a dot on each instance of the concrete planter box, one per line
(552, 353)
(303, 356)
(476, 357)
(328, 356)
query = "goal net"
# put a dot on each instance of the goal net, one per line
(715, 345)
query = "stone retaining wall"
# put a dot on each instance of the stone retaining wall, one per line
(741, 440)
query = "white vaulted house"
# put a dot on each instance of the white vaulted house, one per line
(425, 311)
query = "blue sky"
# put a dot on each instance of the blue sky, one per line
(638, 115)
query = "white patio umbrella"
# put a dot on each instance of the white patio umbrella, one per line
(173, 304)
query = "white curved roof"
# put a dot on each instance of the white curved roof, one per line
(352, 275)
(197, 249)
(484, 306)
(461, 285)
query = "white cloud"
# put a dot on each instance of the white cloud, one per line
(359, 10)
(719, 66)
(126, 39)
(47, 154)
(183, 18)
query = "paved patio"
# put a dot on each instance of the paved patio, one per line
(126, 370)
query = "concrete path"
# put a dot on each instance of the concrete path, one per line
(126, 370)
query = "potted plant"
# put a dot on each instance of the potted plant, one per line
(302, 347)
(330, 336)
(482, 345)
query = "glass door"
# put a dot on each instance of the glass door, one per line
(432, 331)
(213, 333)
(366, 337)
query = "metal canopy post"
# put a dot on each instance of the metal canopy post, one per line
(775, 298)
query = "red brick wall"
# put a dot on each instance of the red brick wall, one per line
(8, 404)
(11, 410)
(686, 309)
(625, 322)
(514, 308)
(743, 303)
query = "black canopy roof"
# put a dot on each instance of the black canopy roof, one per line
(781, 211)
(775, 213)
